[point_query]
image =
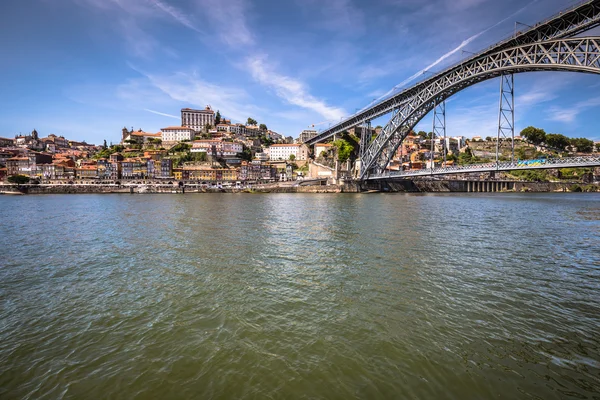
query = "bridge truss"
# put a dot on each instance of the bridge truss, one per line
(578, 55)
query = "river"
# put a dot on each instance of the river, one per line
(285, 296)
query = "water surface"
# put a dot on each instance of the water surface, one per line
(300, 296)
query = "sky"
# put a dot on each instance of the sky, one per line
(87, 68)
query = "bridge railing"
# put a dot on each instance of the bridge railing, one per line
(583, 161)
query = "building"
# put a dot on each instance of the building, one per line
(257, 171)
(134, 168)
(222, 149)
(28, 164)
(284, 151)
(6, 142)
(322, 147)
(166, 168)
(86, 172)
(197, 120)
(174, 134)
(139, 136)
(306, 135)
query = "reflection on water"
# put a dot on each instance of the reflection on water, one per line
(300, 296)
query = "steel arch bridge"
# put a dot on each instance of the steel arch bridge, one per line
(541, 48)
(578, 55)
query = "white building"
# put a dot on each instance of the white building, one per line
(284, 151)
(177, 134)
(197, 119)
(223, 149)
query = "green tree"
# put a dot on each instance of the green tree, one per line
(104, 146)
(18, 179)
(557, 141)
(263, 127)
(251, 121)
(583, 145)
(488, 139)
(466, 157)
(246, 154)
(344, 148)
(292, 157)
(266, 141)
(180, 148)
(218, 118)
(534, 135)
(200, 156)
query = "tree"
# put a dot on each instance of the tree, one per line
(292, 157)
(200, 156)
(218, 118)
(262, 127)
(104, 146)
(488, 139)
(583, 145)
(251, 121)
(466, 157)
(534, 135)
(18, 179)
(246, 154)
(557, 141)
(344, 148)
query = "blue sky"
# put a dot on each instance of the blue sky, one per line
(86, 68)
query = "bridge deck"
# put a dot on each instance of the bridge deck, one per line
(565, 162)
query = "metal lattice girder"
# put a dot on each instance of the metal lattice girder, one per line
(506, 114)
(439, 129)
(365, 137)
(567, 23)
(546, 163)
(577, 55)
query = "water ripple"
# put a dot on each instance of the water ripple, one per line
(300, 296)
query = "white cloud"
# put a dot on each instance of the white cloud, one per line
(160, 113)
(189, 89)
(228, 18)
(175, 13)
(291, 90)
(340, 16)
(569, 114)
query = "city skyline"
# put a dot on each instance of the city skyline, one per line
(86, 68)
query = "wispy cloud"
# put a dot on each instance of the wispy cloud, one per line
(290, 89)
(462, 45)
(569, 114)
(190, 89)
(228, 18)
(340, 16)
(160, 113)
(176, 14)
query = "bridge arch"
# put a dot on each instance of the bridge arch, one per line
(575, 55)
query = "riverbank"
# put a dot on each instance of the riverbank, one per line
(406, 186)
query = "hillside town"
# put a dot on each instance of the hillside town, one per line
(207, 148)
